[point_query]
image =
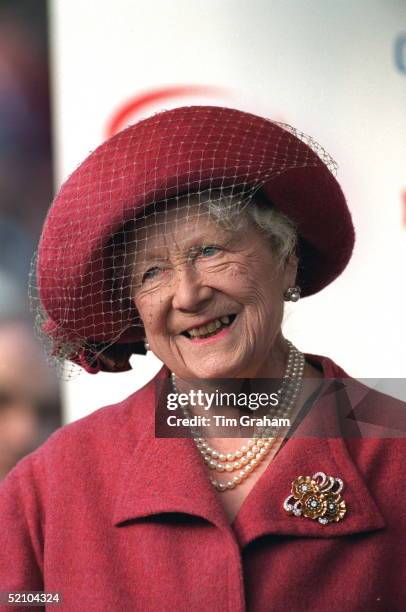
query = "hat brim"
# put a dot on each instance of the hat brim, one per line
(185, 150)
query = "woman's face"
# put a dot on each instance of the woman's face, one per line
(211, 300)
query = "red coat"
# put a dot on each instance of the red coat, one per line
(116, 519)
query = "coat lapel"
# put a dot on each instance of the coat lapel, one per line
(168, 476)
(165, 475)
(318, 445)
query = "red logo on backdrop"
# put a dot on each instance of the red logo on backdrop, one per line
(139, 103)
(121, 116)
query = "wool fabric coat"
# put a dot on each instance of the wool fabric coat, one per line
(115, 519)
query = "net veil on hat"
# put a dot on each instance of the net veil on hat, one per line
(80, 290)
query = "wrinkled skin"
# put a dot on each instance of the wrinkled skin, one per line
(188, 271)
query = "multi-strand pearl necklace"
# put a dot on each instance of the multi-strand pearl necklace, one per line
(248, 457)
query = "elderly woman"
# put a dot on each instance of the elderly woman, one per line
(185, 234)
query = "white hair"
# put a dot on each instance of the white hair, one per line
(233, 212)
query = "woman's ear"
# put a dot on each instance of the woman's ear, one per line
(290, 272)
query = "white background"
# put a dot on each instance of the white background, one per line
(326, 67)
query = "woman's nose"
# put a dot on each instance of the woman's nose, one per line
(190, 292)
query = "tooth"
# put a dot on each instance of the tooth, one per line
(203, 330)
(193, 332)
(217, 324)
(211, 326)
(225, 319)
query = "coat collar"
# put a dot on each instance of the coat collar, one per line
(168, 476)
(164, 475)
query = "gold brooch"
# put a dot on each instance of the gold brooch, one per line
(317, 497)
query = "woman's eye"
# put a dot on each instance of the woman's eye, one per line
(209, 251)
(150, 274)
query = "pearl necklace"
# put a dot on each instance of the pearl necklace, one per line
(248, 457)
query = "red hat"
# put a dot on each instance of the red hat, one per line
(176, 152)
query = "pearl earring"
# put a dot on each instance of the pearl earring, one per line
(292, 294)
(146, 345)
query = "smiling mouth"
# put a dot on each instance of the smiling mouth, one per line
(210, 329)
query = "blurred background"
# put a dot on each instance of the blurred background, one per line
(335, 70)
(29, 396)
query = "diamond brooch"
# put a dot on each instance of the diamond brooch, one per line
(317, 497)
